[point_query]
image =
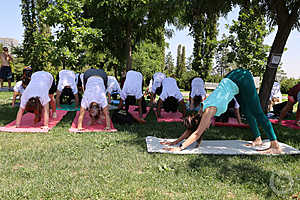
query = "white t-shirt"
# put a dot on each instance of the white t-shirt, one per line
(38, 86)
(67, 78)
(275, 92)
(132, 85)
(158, 77)
(198, 88)
(94, 92)
(170, 88)
(19, 87)
(112, 85)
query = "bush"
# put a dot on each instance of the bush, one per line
(287, 83)
(184, 81)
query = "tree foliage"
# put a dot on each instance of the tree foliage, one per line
(148, 59)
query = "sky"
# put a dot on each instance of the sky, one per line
(11, 27)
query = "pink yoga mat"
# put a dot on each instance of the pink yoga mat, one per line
(27, 123)
(170, 117)
(135, 114)
(93, 128)
(232, 122)
(286, 123)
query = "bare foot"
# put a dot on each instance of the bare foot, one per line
(255, 143)
(298, 123)
(271, 150)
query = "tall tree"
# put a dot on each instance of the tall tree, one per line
(127, 23)
(246, 40)
(201, 17)
(286, 15)
(178, 61)
(169, 64)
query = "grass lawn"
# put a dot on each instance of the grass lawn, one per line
(63, 165)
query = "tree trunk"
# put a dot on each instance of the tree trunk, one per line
(129, 48)
(278, 45)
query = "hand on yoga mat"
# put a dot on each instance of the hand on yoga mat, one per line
(167, 143)
(172, 149)
(45, 127)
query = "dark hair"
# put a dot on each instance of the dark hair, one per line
(94, 111)
(170, 104)
(25, 81)
(158, 90)
(130, 100)
(5, 49)
(66, 96)
(191, 122)
(197, 100)
(34, 105)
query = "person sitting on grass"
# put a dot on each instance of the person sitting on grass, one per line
(112, 86)
(19, 89)
(170, 97)
(233, 111)
(36, 98)
(197, 93)
(156, 88)
(94, 100)
(66, 88)
(293, 98)
(238, 82)
(132, 91)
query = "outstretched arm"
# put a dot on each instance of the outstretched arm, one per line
(107, 118)
(159, 104)
(19, 117)
(186, 134)
(80, 118)
(46, 115)
(204, 124)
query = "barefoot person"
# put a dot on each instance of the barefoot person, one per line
(19, 89)
(170, 97)
(238, 82)
(293, 98)
(94, 100)
(197, 93)
(66, 87)
(5, 70)
(37, 96)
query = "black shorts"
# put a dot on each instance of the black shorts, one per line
(95, 72)
(5, 72)
(53, 87)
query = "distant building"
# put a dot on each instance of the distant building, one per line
(9, 43)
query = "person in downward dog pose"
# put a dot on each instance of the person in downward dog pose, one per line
(238, 82)
(19, 89)
(36, 98)
(94, 100)
(197, 93)
(170, 97)
(66, 87)
(132, 91)
(156, 87)
(112, 86)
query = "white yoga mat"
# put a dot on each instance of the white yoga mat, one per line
(216, 147)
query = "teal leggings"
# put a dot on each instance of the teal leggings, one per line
(249, 102)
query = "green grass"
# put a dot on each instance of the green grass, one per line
(63, 165)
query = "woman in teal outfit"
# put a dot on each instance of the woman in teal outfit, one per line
(237, 83)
